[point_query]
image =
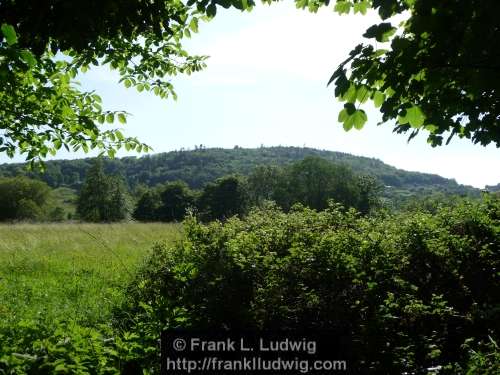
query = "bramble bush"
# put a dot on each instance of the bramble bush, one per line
(415, 291)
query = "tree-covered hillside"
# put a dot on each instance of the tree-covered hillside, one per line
(202, 165)
(493, 188)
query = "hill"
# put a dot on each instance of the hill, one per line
(493, 188)
(199, 166)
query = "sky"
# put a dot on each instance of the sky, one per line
(265, 84)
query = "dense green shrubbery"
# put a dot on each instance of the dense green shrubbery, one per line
(415, 291)
(37, 348)
(22, 198)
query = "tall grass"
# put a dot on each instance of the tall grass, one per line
(70, 272)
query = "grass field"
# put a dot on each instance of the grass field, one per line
(74, 272)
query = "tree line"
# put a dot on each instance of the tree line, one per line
(201, 165)
(311, 182)
(104, 197)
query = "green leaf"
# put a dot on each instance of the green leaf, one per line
(119, 135)
(211, 10)
(122, 118)
(378, 98)
(301, 4)
(127, 83)
(390, 92)
(362, 94)
(110, 118)
(381, 32)
(342, 7)
(350, 95)
(343, 115)
(193, 25)
(414, 116)
(379, 52)
(60, 368)
(140, 87)
(361, 7)
(356, 120)
(431, 128)
(28, 58)
(9, 33)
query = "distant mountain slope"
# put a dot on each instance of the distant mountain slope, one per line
(199, 166)
(493, 188)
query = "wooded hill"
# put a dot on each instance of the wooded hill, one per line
(201, 165)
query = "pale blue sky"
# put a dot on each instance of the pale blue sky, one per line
(266, 84)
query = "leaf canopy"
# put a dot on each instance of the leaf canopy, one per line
(439, 73)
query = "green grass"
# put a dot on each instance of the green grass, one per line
(70, 272)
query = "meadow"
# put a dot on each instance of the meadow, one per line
(70, 272)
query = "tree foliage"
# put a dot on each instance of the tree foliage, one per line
(313, 181)
(103, 198)
(147, 206)
(45, 45)
(22, 198)
(198, 167)
(176, 199)
(223, 198)
(437, 72)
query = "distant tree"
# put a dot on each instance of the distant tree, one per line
(147, 206)
(263, 183)
(226, 197)
(118, 202)
(102, 197)
(369, 192)
(313, 181)
(22, 198)
(176, 198)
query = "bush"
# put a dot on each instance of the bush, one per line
(22, 198)
(414, 291)
(67, 348)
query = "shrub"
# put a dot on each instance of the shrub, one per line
(22, 198)
(412, 290)
(67, 348)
